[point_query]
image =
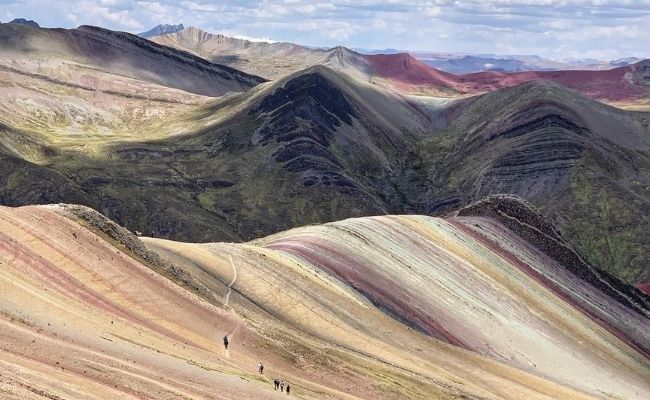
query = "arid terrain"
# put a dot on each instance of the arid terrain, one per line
(367, 226)
(377, 307)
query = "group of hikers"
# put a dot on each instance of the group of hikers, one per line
(277, 383)
(281, 384)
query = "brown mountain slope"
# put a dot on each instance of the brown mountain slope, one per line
(91, 57)
(270, 60)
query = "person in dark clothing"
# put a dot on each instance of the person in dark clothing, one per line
(276, 383)
(288, 388)
(225, 341)
(260, 368)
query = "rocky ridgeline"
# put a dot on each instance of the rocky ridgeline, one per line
(525, 220)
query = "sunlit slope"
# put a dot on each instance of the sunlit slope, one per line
(270, 60)
(80, 89)
(466, 281)
(83, 317)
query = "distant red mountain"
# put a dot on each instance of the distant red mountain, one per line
(623, 83)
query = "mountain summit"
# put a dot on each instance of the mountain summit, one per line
(23, 21)
(161, 30)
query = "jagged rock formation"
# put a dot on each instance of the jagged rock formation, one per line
(161, 30)
(23, 21)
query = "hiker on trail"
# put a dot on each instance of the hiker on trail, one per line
(282, 385)
(276, 383)
(288, 388)
(225, 341)
(260, 368)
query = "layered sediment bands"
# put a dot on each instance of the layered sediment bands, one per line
(533, 151)
(526, 222)
(542, 160)
(248, 165)
(468, 281)
(84, 313)
(584, 164)
(302, 117)
(447, 280)
(80, 318)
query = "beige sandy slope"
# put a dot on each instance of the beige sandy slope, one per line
(81, 318)
(428, 265)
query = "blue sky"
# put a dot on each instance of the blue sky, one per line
(604, 29)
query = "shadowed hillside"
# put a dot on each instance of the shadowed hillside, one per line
(86, 55)
(585, 164)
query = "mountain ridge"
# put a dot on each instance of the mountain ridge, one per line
(402, 71)
(23, 21)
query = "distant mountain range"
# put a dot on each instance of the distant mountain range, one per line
(399, 71)
(475, 63)
(457, 63)
(275, 59)
(463, 63)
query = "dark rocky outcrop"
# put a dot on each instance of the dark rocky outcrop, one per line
(526, 221)
(301, 119)
(161, 30)
(23, 21)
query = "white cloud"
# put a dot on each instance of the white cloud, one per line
(433, 11)
(546, 27)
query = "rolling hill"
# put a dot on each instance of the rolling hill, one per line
(178, 165)
(364, 308)
(249, 165)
